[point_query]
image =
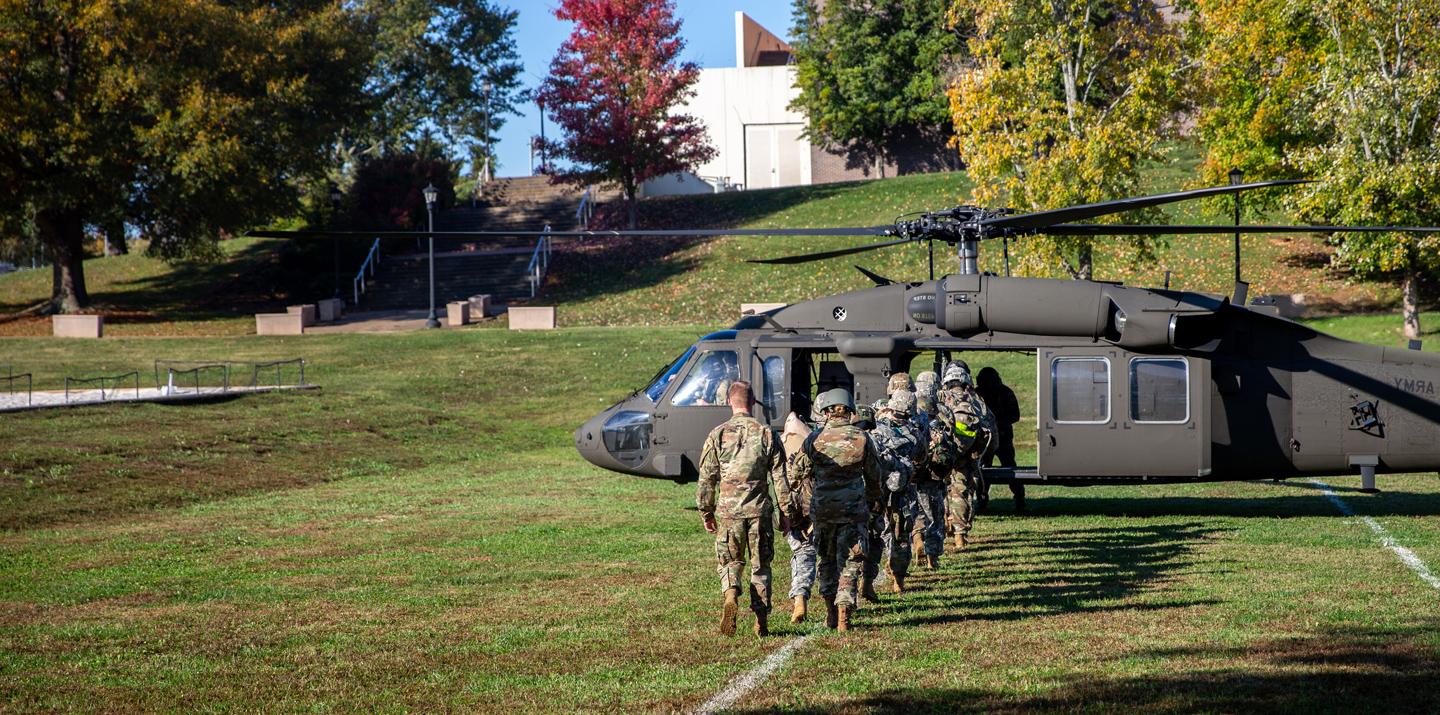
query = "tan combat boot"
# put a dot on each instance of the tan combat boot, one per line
(844, 618)
(762, 623)
(867, 590)
(932, 561)
(728, 614)
(832, 617)
(797, 612)
(960, 541)
(897, 583)
(917, 543)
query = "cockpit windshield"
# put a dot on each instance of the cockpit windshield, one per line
(666, 376)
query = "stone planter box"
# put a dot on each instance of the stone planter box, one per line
(330, 310)
(306, 313)
(279, 324)
(457, 313)
(480, 306)
(78, 326)
(758, 308)
(535, 318)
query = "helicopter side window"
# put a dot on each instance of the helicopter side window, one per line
(1081, 390)
(774, 384)
(666, 376)
(1159, 390)
(709, 381)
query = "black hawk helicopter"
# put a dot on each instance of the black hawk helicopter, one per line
(1133, 384)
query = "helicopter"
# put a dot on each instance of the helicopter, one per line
(1133, 384)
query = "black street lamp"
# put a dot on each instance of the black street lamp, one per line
(1237, 177)
(335, 198)
(431, 193)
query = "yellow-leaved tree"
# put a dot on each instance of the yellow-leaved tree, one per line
(1059, 103)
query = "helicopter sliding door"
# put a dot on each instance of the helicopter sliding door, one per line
(770, 378)
(1107, 413)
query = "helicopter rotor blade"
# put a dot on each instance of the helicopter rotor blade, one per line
(699, 233)
(1033, 222)
(1099, 229)
(822, 255)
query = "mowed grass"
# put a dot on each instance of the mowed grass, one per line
(421, 535)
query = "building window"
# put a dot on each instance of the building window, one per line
(1159, 390)
(1081, 390)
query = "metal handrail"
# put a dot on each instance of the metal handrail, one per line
(539, 262)
(586, 209)
(278, 365)
(227, 365)
(169, 387)
(372, 259)
(102, 380)
(10, 378)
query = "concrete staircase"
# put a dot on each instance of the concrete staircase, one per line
(466, 267)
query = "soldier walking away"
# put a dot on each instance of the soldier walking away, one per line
(933, 479)
(973, 427)
(843, 468)
(799, 536)
(901, 454)
(739, 463)
(1002, 402)
(926, 397)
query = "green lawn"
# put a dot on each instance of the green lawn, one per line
(420, 535)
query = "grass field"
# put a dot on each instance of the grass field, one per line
(420, 535)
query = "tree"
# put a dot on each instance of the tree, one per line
(872, 74)
(1354, 103)
(612, 89)
(1060, 103)
(189, 119)
(447, 65)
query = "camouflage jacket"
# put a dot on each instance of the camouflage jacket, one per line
(944, 453)
(974, 423)
(901, 452)
(844, 471)
(740, 460)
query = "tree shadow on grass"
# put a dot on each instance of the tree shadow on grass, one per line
(1331, 671)
(1066, 571)
(1301, 499)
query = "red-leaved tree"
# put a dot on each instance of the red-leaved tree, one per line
(611, 89)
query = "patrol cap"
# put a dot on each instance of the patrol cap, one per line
(832, 398)
(902, 403)
(900, 381)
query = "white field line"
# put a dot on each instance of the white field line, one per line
(751, 679)
(1405, 555)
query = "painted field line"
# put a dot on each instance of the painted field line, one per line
(751, 679)
(1405, 555)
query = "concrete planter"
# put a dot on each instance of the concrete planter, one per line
(330, 310)
(535, 318)
(279, 324)
(306, 313)
(457, 313)
(480, 305)
(78, 326)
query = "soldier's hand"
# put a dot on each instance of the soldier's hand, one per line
(709, 521)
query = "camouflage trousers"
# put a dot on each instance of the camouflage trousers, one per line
(962, 499)
(739, 540)
(930, 521)
(841, 551)
(890, 533)
(802, 562)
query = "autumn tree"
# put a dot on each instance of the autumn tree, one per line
(613, 89)
(1060, 102)
(872, 74)
(188, 118)
(1350, 98)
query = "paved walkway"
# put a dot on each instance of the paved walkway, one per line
(381, 321)
(16, 402)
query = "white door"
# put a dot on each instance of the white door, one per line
(775, 155)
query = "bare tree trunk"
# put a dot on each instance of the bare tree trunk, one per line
(630, 208)
(115, 238)
(1086, 261)
(1410, 304)
(63, 234)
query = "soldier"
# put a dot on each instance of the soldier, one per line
(901, 453)
(740, 460)
(933, 480)
(844, 470)
(802, 545)
(1003, 404)
(971, 419)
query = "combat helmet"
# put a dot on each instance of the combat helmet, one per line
(838, 396)
(957, 372)
(902, 403)
(926, 378)
(899, 381)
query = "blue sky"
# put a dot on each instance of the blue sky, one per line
(708, 27)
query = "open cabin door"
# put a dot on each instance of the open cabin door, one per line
(1105, 412)
(771, 379)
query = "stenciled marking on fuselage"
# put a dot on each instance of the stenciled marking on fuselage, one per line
(1415, 385)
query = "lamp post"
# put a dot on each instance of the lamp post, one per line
(431, 193)
(485, 178)
(541, 105)
(1237, 177)
(335, 197)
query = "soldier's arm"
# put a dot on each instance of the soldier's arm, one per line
(783, 498)
(709, 478)
(874, 472)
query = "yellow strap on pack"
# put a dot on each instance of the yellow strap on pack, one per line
(964, 430)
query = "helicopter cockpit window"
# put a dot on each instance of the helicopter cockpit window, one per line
(666, 376)
(708, 382)
(1159, 390)
(1081, 390)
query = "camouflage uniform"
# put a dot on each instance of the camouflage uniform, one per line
(901, 453)
(739, 462)
(802, 546)
(971, 420)
(844, 470)
(931, 482)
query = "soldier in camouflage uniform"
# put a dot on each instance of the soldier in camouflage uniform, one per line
(970, 425)
(843, 468)
(901, 454)
(924, 417)
(932, 482)
(799, 537)
(738, 463)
